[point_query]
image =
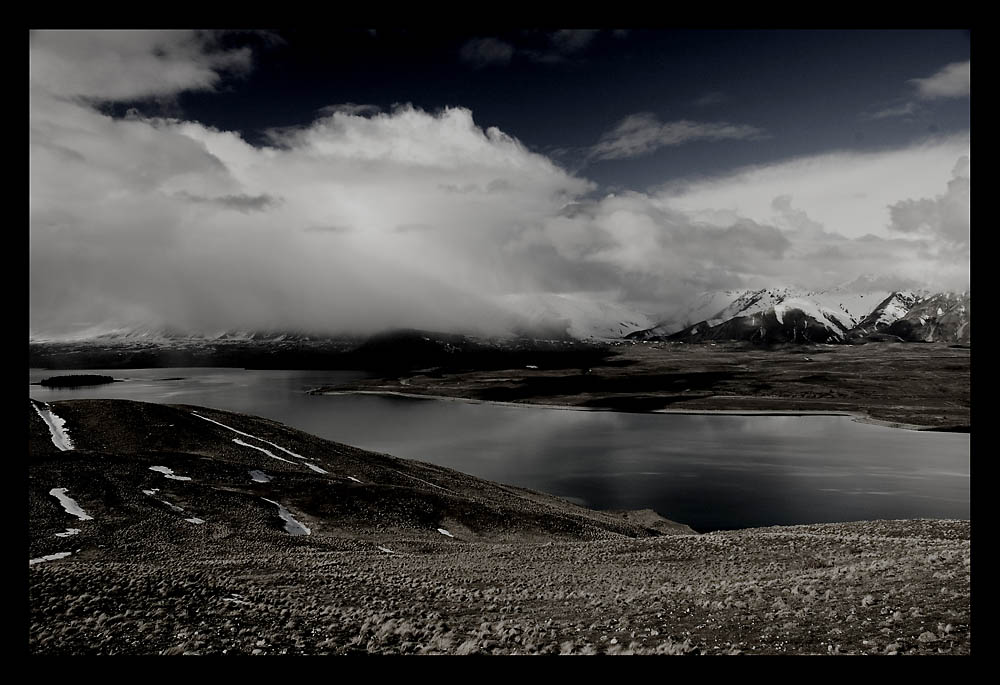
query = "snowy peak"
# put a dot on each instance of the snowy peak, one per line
(848, 307)
(713, 308)
(887, 312)
(837, 321)
(835, 311)
(750, 302)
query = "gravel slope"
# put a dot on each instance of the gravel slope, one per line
(517, 571)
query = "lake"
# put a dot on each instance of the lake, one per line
(709, 471)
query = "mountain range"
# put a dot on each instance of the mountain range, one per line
(863, 310)
(840, 315)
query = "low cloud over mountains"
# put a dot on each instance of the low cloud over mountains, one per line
(365, 219)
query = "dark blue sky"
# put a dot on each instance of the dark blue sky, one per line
(809, 91)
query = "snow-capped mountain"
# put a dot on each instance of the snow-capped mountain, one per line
(713, 308)
(827, 314)
(791, 320)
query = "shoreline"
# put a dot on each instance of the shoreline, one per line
(913, 387)
(857, 416)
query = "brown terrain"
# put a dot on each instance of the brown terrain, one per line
(406, 557)
(925, 385)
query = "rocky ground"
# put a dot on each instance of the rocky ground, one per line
(196, 557)
(913, 384)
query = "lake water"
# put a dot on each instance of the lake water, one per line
(709, 471)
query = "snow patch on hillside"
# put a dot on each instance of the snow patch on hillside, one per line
(168, 473)
(69, 504)
(292, 527)
(57, 426)
(49, 557)
(297, 456)
(261, 449)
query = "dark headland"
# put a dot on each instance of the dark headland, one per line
(178, 530)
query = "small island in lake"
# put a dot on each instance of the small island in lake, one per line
(76, 381)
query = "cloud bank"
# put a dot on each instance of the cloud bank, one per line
(361, 220)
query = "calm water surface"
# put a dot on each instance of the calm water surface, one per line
(709, 471)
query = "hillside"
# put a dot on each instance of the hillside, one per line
(116, 443)
(176, 529)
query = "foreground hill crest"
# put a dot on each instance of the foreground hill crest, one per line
(184, 530)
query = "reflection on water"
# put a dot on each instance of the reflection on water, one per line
(709, 471)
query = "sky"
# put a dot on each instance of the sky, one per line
(360, 179)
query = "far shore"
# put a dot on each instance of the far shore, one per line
(856, 416)
(914, 387)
